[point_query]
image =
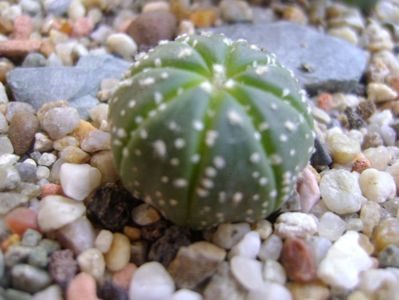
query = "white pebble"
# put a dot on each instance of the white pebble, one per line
(156, 6)
(76, 10)
(3, 124)
(185, 294)
(59, 121)
(343, 148)
(96, 140)
(227, 235)
(270, 290)
(331, 226)
(92, 262)
(380, 92)
(273, 271)
(320, 246)
(79, 180)
(47, 159)
(42, 172)
(296, 224)
(379, 157)
(344, 262)
(249, 246)
(53, 292)
(340, 191)
(377, 185)
(122, 44)
(151, 282)
(145, 214)
(271, 248)
(247, 271)
(104, 240)
(58, 211)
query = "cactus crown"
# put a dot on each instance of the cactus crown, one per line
(210, 130)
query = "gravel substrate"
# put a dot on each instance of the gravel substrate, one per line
(69, 230)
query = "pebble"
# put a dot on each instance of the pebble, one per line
(308, 189)
(185, 294)
(108, 290)
(386, 233)
(264, 228)
(249, 246)
(23, 127)
(103, 240)
(389, 257)
(18, 48)
(344, 261)
(77, 236)
(377, 38)
(79, 180)
(122, 278)
(57, 211)
(316, 291)
(16, 106)
(227, 234)
(5, 145)
(92, 262)
(122, 45)
(62, 267)
(377, 185)
(374, 281)
(3, 124)
(21, 219)
(74, 155)
(341, 192)
(195, 263)
(271, 248)
(232, 11)
(295, 224)
(331, 226)
(42, 142)
(53, 292)
(47, 159)
(139, 251)
(29, 279)
(103, 161)
(96, 140)
(59, 121)
(27, 172)
(34, 60)
(270, 290)
(49, 245)
(156, 5)
(31, 238)
(248, 272)
(342, 148)
(11, 294)
(9, 178)
(16, 254)
(83, 286)
(64, 142)
(380, 92)
(370, 216)
(118, 255)
(273, 271)
(346, 33)
(38, 257)
(298, 260)
(151, 282)
(144, 215)
(379, 157)
(149, 28)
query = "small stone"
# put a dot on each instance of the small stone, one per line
(331, 226)
(156, 5)
(123, 277)
(110, 207)
(119, 254)
(18, 48)
(50, 189)
(53, 292)
(138, 253)
(227, 235)
(9, 178)
(360, 164)
(389, 257)
(264, 228)
(344, 262)
(295, 224)
(47, 159)
(33, 60)
(308, 290)
(83, 286)
(62, 267)
(185, 294)
(104, 162)
(308, 189)
(377, 38)
(150, 232)
(5, 145)
(29, 279)
(379, 157)
(16, 254)
(42, 142)
(76, 9)
(249, 246)
(186, 27)
(103, 241)
(271, 248)
(342, 148)
(134, 234)
(273, 271)
(298, 260)
(370, 216)
(65, 142)
(96, 140)
(341, 192)
(165, 248)
(144, 215)
(386, 233)
(380, 92)
(57, 211)
(82, 27)
(49, 245)
(11, 294)
(203, 17)
(233, 11)
(195, 263)
(377, 281)
(92, 262)
(377, 185)
(355, 121)
(79, 180)
(151, 282)
(247, 271)
(31, 238)
(77, 236)
(346, 33)
(270, 290)
(38, 257)
(3, 124)
(27, 172)
(21, 219)
(108, 290)
(121, 44)
(23, 127)
(16, 106)
(151, 27)
(59, 121)
(74, 155)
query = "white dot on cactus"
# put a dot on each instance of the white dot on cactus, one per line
(227, 41)
(283, 138)
(125, 152)
(138, 119)
(185, 52)
(229, 84)
(195, 158)
(292, 152)
(180, 91)
(261, 70)
(276, 159)
(249, 211)
(255, 197)
(255, 174)
(207, 183)
(254, 158)
(165, 179)
(206, 86)
(174, 161)
(273, 193)
(219, 162)
(237, 198)
(285, 92)
(263, 126)
(210, 138)
(158, 62)
(222, 197)
(179, 143)
(131, 104)
(122, 112)
(273, 106)
(173, 202)
(263, 181)
(195, 43)
(180, 182)
(254, 64)
(198, 125)
(254, 47)
(121, 133)
(210, 172)
(289, 125)
(162, 106)
(152, 113)
(143, 134)
(137, 152)
(234, 117)
(172, 126)
(202, 192)
(160, 148)
(158, 97)
(307, 136)
(164, 75)
(147, 81)
(257, 136)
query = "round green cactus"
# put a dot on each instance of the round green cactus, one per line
(210, 130)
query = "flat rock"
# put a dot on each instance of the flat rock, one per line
(319, 61)
(45, 84)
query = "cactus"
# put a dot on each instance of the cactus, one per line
(210, 130)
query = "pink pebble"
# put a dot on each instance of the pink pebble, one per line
(83, 286)
(123, 277)
(21, 219)
(82, 27)
(308, 190)
(50, 189)
(23, 27)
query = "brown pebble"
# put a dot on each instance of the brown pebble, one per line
(203, 18)
(63, 267)
(83, 286)
(23, 27)
(372, 140)
(22, 130)
(393, 106)
(5, 67)
(360, 164)
(151, 27)
(325, 101)
(18, 48)
(366, 109)
(298, 260)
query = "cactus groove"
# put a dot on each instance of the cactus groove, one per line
(210, 130)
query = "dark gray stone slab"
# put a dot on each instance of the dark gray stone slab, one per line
(40, 85)
(320, 61)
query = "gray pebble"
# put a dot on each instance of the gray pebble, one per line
(49, 245)
(9, 178)
(8, 201)
(5, 145)
(11, 294)
(389, 257)
(1, 264)
(27, 172)
(38, 257)
(29, 279)
(16, 255)
(31, 238)
(34, 60)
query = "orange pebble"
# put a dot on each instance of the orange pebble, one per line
(361, 164)
(83, 130)
(123, 277)
(11, 240)
(325, 101)
(83, 286)
(21, 219)
(50, 189)
(203, 18)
